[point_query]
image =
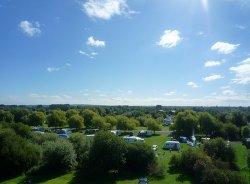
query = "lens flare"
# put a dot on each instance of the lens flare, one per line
(204, 4)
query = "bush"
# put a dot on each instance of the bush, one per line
(59, 155)
(82, 147)
(191, 162)
(106, 153)
(248, 159)
(218, 149)
(156, 170)
(42, 138)
(139, 157)
(17, 155)
(214, 176)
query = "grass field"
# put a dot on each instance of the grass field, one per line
(163, 156)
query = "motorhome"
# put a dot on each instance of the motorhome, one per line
(132, 139)
(172, 145)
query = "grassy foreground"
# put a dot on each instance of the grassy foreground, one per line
(164, 158)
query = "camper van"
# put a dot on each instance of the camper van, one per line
(172, 145)
(132, 139)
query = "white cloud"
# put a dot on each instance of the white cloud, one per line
(213, 63)
(229, 92)
(170, 38)
(224, 48)
(91, 55)
(241, 27)
(225, 87)
(242, 72)
(171, 93)
(106, 9)
(95, 43)
(192, 85)
(53, 69)
(30, 29)
(212, 77)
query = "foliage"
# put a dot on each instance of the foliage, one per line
(185, 122)
(156, 170)
(100, 123)
(6, 116)
(124, 123)
(36, 118)
(59, 155)
(111, 120)
(43, 138)
(17, 155)
(152, 124)
(81, 146)
(138, 158)
(76, 121)
(56, 118)
(245, 132)
(88, 115)
(106, 153)
(218, 149)
(71, 112)
(231, 131)
(238, 118)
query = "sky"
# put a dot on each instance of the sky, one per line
(125, 52)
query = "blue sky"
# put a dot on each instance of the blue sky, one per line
(125, 52)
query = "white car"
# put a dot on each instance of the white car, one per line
(154, 147)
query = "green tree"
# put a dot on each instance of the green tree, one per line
(71, 112)
(6, 116)
(185, 122)
(76, 121)
(56, 118)
(59, 156)
(20, 115)
(106, 153)
(88, 116)
(37, 118)
(100, 123)
(111, 120)
(231, 131)
(152, 124)
(124, 123)
(208, 124)
(238, 118)
(245, 132)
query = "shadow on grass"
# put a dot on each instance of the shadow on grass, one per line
(80, 178)
(183, 177)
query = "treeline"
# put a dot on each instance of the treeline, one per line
(231, 126)
(79, 119)
(23, 151)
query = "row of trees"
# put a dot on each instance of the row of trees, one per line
(47, 153)
(78, 119)
(188, 121)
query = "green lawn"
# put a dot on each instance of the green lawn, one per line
(163, 156)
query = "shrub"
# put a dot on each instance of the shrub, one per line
(17, 155)
(156, 170)
(248, 159)
(82, 147)
(214, 176)
(42, 138)
(218, 149)
(106, 153)
(59, 155)
(138, 158)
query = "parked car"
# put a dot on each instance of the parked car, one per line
(116, 132)
(172, 145)
(143, 181)
(132, 139)
(145, 133)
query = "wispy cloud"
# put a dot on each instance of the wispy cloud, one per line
(171, 93)
(211, 63)
(56, 69)
(242, 72)
(30, 29)
(90, 54)
(241, 27)
(95, 42)
(106, 9)
(224, 48)
(192, 85)
(170, 38)
(212, 77)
